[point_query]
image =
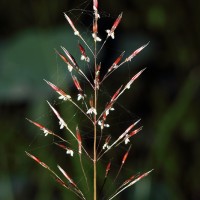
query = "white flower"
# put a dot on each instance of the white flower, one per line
(111, 34)
(80, 96)
(45, 132)
(96, 12)
(65, 98)
(76, 33)
(128, 86)
(96, 38)
(69, 151)
(92, 110)
(102, 124)
(86, 58)
(62, 124)
(126, 139)
(106, 146)
(70, 68)
(107, 111)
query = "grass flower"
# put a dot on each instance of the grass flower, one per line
(97, 117)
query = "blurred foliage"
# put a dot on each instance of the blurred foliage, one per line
(166, 97)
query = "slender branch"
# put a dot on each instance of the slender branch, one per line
(95, 131)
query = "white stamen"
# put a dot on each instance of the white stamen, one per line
(96, 38)
(65, 98)
(45, 132)
(126, 139)
(106, 146)
(86, 58)
(70, 68)
(62, 124)
(92, 110)
(110, 34)
(69, 151)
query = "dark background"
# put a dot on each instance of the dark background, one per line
(166, 96)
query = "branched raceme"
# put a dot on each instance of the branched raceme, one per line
(97, 118)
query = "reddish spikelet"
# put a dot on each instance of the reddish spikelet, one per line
(95, 28)
(108, 169)
(97, 79)
(125, 157)
(70, 67)
(36, 124)
(92, 110)
(78, 135)
(83, 53)
(115, 64)
(129, 128)
(95, 4)
(127, 136)
(114, 97)
(61, 145)
(95, 31)
(61, 121)
(67, 176)
(144, 175)
(128, 85)
(71, 24)
(78, 87)
(95, 24)
(108, 139)
(115, 24)
(82, 50)
(62, 57)
(104, 116)
(102, 122)
(91, 102)
(62, 94)
(128, 180)
(135, 132)
(70, 57)
(77, 84)
(122, 164)
(61, 182)
(68, 150)
(44, 129)
(106, 144)
(112, 101)
(55, 111)
(136, 52)
(37, 160)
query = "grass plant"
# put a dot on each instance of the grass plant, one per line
(88, 105)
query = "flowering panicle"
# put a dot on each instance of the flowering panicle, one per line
(96, 114)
